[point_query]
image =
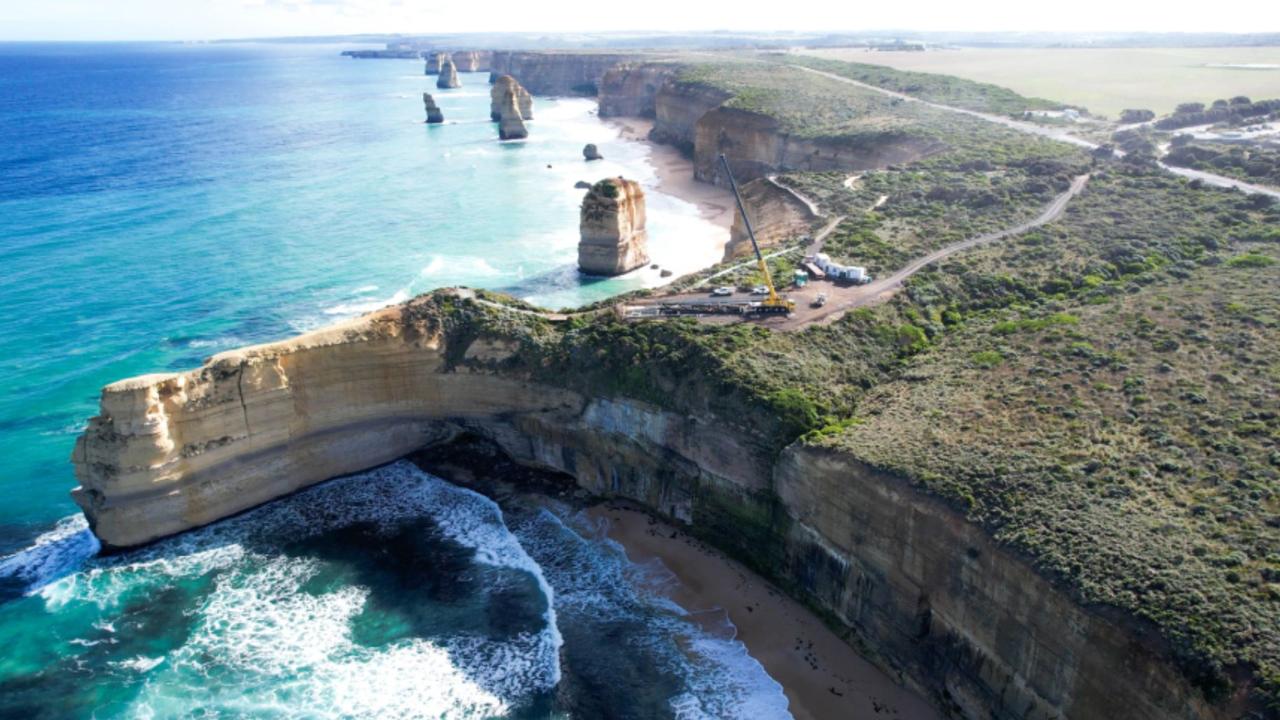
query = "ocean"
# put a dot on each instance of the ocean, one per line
(160, 203)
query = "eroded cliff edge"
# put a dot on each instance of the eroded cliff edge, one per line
(954, 613)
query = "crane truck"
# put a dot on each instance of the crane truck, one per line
(774, 303)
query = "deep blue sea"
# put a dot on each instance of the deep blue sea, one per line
(160, 203)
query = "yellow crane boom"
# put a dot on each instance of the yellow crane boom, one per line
(774, 300)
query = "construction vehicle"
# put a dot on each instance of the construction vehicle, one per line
(774, 303)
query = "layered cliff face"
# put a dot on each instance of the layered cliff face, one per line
(448, 75)
(557, 73)
(776, 216)
(434, 114)
(504, 86)
(613, 239)
(631, 89)
(473, 60)
(756, 146)
(955, 613)
(677, 109)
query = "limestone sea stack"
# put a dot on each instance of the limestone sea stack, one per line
(613, 239)
(434, 60)
(433, 111)
(506, 85)
(448, 75)
(591, 152)
(510, 123)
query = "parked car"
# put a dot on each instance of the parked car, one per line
(760, 290)
(820, 300)
(722, 291)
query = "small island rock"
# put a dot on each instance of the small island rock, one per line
(591, 152)
(448, 75)
(433, 111)
(510, 123)
(506, 85)
(613, 239)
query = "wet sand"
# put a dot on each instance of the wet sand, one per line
(822, 676)
(675, 173)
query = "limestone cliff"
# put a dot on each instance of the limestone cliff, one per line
(631, 89)
(433, 62)
(434, 115)
(613, 239)
(756, 146)
(510, 124)
(503, 86)
(448, 75)
(557, 73)
(934, 597)
(776, 216)
(473, 60)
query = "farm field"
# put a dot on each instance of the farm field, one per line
(1105, 81)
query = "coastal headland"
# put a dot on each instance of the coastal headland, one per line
(902, 472)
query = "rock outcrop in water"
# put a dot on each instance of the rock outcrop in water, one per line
(433, 62)
(591, 152)
(510, 123)
(613, 239)
(448, 75)
(503, 86)
(434, 115)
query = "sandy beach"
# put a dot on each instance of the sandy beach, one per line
(675, 173)
(822, 676)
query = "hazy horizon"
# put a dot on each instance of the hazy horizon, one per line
(180, 20)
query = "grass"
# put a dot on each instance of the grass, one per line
(1106, 81)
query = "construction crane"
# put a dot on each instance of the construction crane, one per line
(775, 303)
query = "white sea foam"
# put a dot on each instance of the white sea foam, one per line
(265, 644)
(462, 266)
(54, 554)
(360, 308)
(593, 578)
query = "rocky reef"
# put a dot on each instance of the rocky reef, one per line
(473, 60)
(591, 152)
(613, 239)
(503, 86)
(434, 115)
(433, 62)
(448, 75)
(944, 606)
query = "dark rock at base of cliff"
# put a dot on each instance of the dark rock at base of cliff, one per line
(591, 152)
(582, 185)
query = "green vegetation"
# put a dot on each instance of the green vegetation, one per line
(1105, 80)
(930, 206)
(1255, 164)
(932, 87)
(808, 105)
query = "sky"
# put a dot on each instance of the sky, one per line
(215, 19)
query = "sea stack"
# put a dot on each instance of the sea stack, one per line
(433, 111)
(448, 75)
(510, 123)
(433, 63)
(506, 85)
(591, 152)
(613, 239)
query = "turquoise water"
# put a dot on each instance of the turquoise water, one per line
(159, 203)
